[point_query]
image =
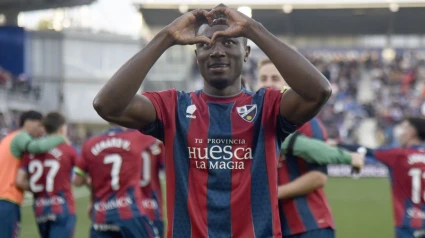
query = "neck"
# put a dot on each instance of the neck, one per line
(228, 91)
(414, 142)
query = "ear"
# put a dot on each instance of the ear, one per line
(247, 51)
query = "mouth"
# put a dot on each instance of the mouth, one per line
(218, 67)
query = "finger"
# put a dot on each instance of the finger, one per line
(219, 12)
(220, 21)
(229, 32)
(201, 39)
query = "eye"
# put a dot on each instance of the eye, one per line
(229, 42)
(204, 45)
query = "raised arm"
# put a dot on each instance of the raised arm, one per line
(317, 151)
(23, 142)
(118, 100)
(310, 89)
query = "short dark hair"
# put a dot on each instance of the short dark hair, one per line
(419, 124)
(53, 121)
(30, 115)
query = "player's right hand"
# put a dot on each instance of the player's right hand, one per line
(357, 161)
(183, 29)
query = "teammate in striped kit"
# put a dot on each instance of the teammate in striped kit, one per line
(304, 210)
(406, 167)
(153, 163)
(48, 177)
(222, 142)
(114, 163)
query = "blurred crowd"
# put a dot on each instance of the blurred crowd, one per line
(18, 84)
(365, 86)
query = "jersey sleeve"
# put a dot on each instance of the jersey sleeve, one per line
(164, 103)
(387, 156)
(23, 142)
(271, 106)
(314, 150)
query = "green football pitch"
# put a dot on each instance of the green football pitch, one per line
(361, 208)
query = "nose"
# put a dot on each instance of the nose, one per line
(217, 51)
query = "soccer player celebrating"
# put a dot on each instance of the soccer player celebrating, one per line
(407, 172)
(150, 184)
(303, 207)
(48, 177)
(12, 147)
(221, 142)
(114, 163)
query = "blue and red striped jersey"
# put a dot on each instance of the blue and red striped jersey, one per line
(150, 185)
(221, 161)
(49, 177)
(407, 174)
(114, 163)
(311, 211)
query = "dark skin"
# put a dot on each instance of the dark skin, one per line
(119, 102)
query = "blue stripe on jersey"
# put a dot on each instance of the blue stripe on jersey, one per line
(406, 219)
(316, 129)
(300, 202)
(112, 215)
(133, 207)
(65, 208)
(219, 180)
(423, 220)
(317, 133)
(261, 209)
(286, 230)
(181, 220)
(157, 211)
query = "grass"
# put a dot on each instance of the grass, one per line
(361, 208)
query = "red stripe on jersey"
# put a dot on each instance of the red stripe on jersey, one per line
(242, 223)
(198, 178)
(39, 209)
(317, 202)
(271, 153)
(307, 130)
(416, 222)
(288, 206)
(100, 216)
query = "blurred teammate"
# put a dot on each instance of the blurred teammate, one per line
(221, 142)
(114, 163)
(48, 177)
(407, 173)
(304, 210)
(153, 162)
(12, 147)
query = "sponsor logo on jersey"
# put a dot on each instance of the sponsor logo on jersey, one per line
(113, 204)
(220, 154)
(247, 112)
(105, 227)
(190, 110)
(54, 200)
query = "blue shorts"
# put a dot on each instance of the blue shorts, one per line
(409, 233)
(319, 233)
(136, 227)
(10, 219)
(62, 226)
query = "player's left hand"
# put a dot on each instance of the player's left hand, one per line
(238, 22)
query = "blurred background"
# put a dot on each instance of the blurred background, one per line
(56, 55)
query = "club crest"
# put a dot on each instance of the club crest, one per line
(247, 112)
